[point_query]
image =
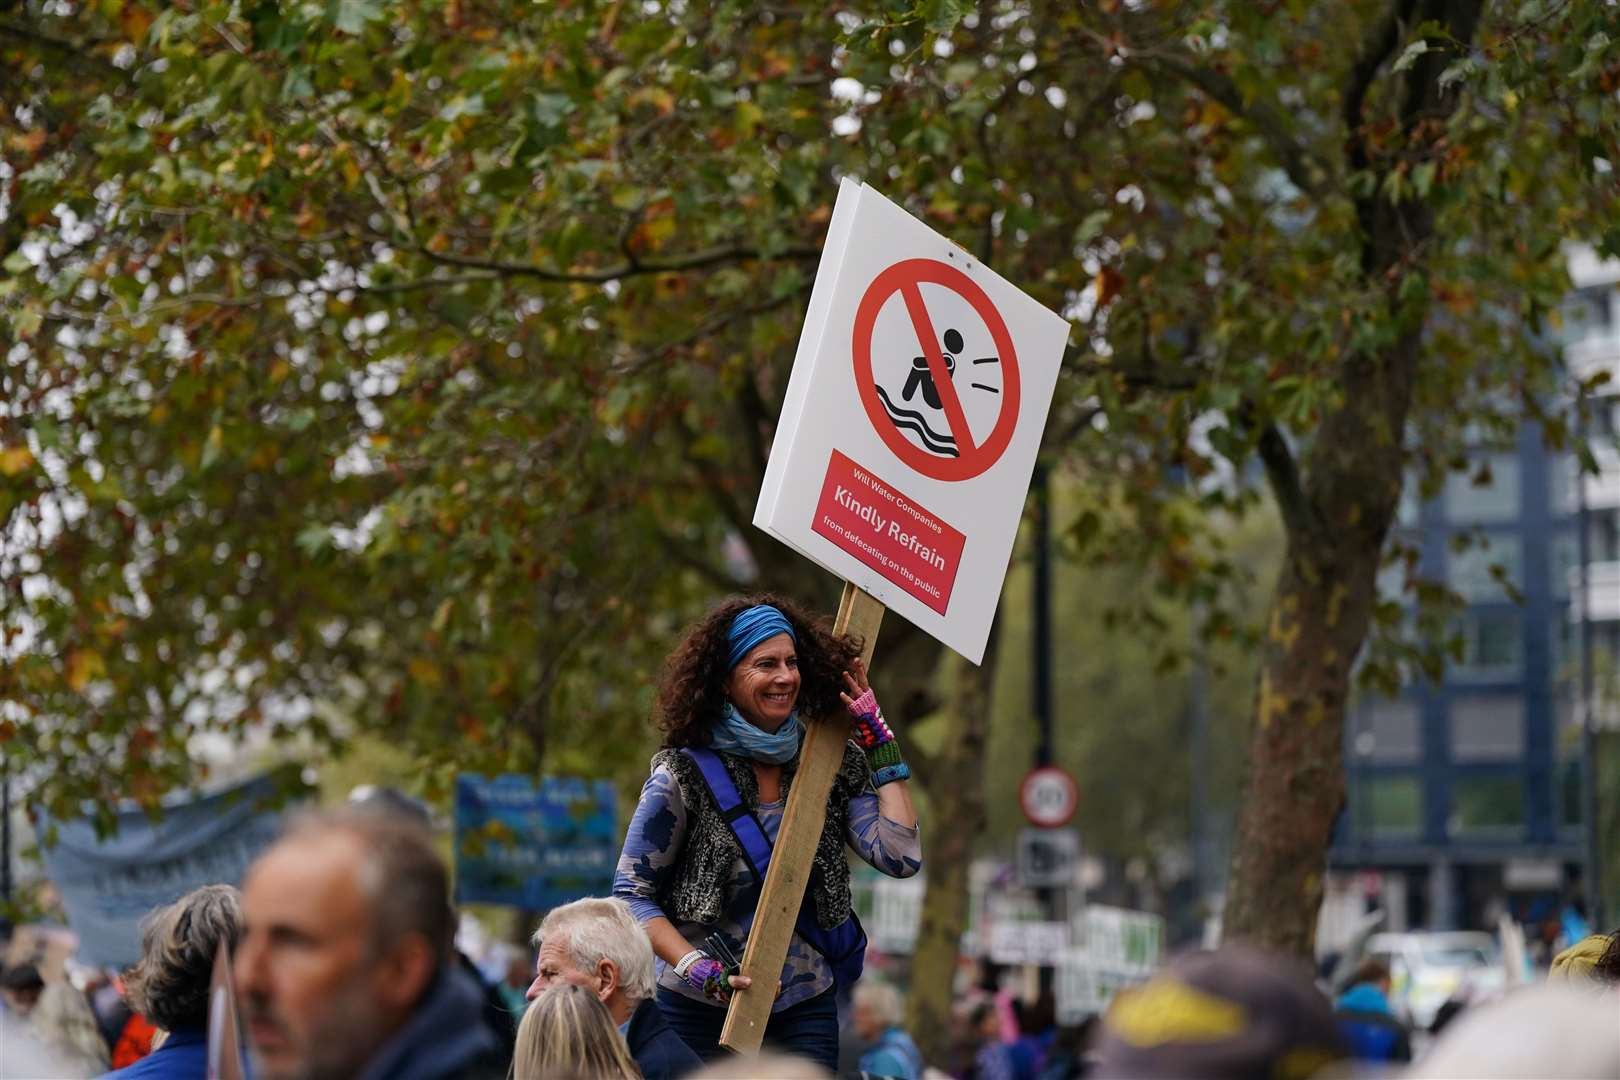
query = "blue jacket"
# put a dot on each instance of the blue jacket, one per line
(1370, 1027)
(183, 1056)
(444, 1039)
(659, 1052)
(893, 1055)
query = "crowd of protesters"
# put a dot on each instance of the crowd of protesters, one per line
(343, 961)
(345, 966)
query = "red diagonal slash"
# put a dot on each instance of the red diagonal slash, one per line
(954, 416)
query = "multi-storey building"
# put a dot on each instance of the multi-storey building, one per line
(1465, 797)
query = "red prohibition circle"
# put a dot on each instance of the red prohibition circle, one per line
(1035, 813)
(904, 277)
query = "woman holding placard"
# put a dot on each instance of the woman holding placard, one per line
(699, 844)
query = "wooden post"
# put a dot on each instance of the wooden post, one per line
(796, 841)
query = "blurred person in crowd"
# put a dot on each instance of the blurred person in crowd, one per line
(993, 1057)
(20, 987)
(106, 996)
(1037, 1030)
(345, 969)
(1594, 959)
(764, 1067)
(567, 1031)
(597, 943)
(728, 704)
(516, 975)
(1228, 1014)
(169, 984)
(134, 1041)
(878, 1011)
(1366, 1018)
(1071, 1055)
(1547, 1030)
(498, 1015)
(63, 1023)
(23, 1056)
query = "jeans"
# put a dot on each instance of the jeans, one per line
(808, 1029)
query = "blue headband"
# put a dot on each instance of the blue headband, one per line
(758, 623)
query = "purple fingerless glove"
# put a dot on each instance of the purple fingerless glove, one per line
(708, 978)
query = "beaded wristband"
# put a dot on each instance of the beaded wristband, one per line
(888, 774)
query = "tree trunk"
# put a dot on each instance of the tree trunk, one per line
(955, 783)
(1337, 513)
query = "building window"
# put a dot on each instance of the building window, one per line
(1488, 491)
(1387, 731)
(1491, 646)
(1473, 572)
(1391, 805)
(1487, 727)
(1585, 313)
(1563, 556)
(1571, 795)
(1487, 803)
(1604, 534)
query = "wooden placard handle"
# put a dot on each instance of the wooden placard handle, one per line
(796, 842)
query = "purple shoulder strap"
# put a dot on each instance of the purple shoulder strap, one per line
(744, 825)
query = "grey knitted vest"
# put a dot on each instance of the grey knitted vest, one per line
(693, 892)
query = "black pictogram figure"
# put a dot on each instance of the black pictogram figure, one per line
(922, 378)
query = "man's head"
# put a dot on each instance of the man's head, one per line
(1372, 972)
(169, 984)
(595, 943)
(877, 1009)
(21, 987)
(347, 924)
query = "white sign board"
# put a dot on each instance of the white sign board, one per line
(1028, 942)
(1114, 949)
(1048, 858)
(911, 421)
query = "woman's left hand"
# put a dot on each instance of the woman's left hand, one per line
(856, 688)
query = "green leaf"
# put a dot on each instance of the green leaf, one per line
(941, 16)
(352, 16)
(1410, 54)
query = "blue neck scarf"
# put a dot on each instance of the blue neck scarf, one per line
(735, 735)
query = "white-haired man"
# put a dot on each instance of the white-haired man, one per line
(596, 943)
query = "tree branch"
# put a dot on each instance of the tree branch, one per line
(78, 53)
(1299, 163)
(1377, 47)
(1282, 470)
(688, 555)
(696, 260)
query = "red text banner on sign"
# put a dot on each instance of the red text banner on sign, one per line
(888, 532)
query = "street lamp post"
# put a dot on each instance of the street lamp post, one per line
(1593, 875)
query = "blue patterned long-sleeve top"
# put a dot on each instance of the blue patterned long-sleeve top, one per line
(653, 845)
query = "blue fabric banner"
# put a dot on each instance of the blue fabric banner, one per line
(534, 845)
(108, 885)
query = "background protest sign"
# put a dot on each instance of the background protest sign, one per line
(534, 845)
(108, 885)
(911, 420)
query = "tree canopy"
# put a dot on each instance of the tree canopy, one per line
(419, 359)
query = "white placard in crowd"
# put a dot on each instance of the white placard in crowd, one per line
(1114, 948)
(912, 418)
(1028, 942)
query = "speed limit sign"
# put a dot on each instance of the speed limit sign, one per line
(1049, 797)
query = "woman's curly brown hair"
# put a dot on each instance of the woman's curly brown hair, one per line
(692, 688)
